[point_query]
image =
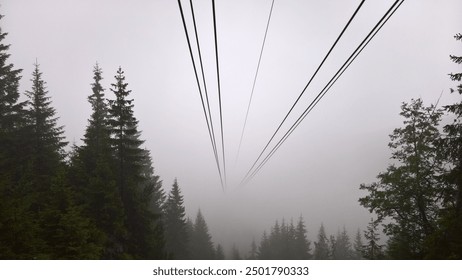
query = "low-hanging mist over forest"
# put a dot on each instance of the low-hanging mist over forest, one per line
(106, 153)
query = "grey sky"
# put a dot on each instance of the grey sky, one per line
(317, 172)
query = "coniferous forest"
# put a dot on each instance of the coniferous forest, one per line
(103, 200)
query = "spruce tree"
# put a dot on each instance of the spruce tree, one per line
(46, 138)
(176, 235)
(447, 240)
(219, 253)
(358, 246)
(93, 173)
(321, 247)
(253, 251)
(264, 250)
(201, 241)
(302, 244)
(341, 247)
(17, 226)
(144, 238)
(372, 250)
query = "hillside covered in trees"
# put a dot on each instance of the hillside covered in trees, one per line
(103, 200)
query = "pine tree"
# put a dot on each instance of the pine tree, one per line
(302, 244)
(253, 250)
(18, 237)
(264, 250)
(372, 250)
(46, 139)
(219, 253)
(92, 173)
(201, 241)
(321, 247)
(144, 239)
(358, 246)
(447, 241)
(176, 234)
(341, 246)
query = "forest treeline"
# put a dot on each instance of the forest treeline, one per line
(103, 200)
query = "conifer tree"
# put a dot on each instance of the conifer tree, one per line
(93, 173)
(302, 244)
(321, 247)
(46, 139)
(17, 226)
(358, 246)
(341, 246)
(144, 238)
(219, 253)
(372, 250)
(447, 241)
(264, 250)
(201, 241)
(253, 251)
(176, 234)
(235, 255)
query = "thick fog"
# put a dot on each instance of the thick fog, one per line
(317, 172)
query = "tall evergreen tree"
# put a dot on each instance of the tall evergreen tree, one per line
(46, 139)
(93, 174)
(447, 240)
(358, 246)
(219, 253)
(253, 251)
(372, 250)
(341, 246)
(144, 239)
(321, 247)
(302, 244)
(176, 234)
(17, 226)
(264, 250)
(201, 241)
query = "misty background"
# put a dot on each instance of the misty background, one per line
(317, 172)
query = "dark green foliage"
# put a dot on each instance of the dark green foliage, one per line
(321, 247)
(406, 197)
(176, 235)
(137, 186)
(67, 232)
(93, 173)
(201, 242)
(285, 242)
(17, 226)
(446, 242)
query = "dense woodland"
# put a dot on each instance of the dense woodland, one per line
(102, 200)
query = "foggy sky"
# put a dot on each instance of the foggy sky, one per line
(317, 172)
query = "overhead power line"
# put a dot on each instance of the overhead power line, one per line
(304, 89)
(200, 93)
(321, 94)
(219, 89)
(255, 80)
(204, 82)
